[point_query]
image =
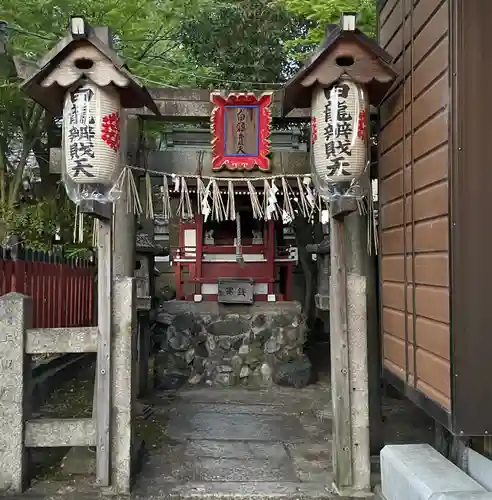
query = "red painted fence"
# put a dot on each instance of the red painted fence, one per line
(62, 290)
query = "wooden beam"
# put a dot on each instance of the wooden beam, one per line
(342, 206)
(194, 104)
(186, 163)
(96, 209)
(61, 340)
(60, 432)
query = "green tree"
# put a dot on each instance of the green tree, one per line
(241, 42)
(141, 27)
(324, 12)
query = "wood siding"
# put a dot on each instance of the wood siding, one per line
(414, 192)
(471, 237)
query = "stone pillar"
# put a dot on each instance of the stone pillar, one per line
(124, 238)
(15, 372)
(356, 267)
(124, 384)
(123, 318)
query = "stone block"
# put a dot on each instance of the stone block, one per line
(480, 468)
(485, 495)
(15, 318)
(123, 384)
(249, 342)
(419, 472)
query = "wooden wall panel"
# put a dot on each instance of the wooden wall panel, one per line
(414, 197)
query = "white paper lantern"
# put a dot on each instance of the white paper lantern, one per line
(91, 131)
(339, 132)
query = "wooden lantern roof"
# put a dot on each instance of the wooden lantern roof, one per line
(344, 51)
(83, 55)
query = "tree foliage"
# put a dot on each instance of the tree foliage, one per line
(324, 12)
(240, 44)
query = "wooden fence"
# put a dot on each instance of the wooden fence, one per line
(62, 289)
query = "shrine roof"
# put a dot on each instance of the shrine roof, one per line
(51, 98)
(297, 95)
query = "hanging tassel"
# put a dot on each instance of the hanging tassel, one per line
(81, 228)
(310, 197)
(133, 200)
(126, 184)
(75, 223)
(95, 233)
(302, 202)
(78, 226)
(230, 211)
(255, 202)
(205, 205)
(149, 205)
(185, 210)
(288, 211)
(166, 200)
(266, 190)
(176, 182)
(269, 200)
(200, 194)
(218, 210)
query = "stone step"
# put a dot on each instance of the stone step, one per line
(419, 472)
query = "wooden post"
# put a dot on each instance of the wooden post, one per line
(102, 386)
(124, 221)
(349, 355)
(123, 350)
(340, 377)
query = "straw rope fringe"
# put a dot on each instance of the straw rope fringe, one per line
(95, 233)
(288, 211)
(78, 226)
(218, 210)
(210, 200)
(166, 199)
(185, 211)
(149, 201)
(231, 202)
(255, 202)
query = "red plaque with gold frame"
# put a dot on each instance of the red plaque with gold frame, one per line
(241, 131)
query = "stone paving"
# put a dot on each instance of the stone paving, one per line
(241, 443)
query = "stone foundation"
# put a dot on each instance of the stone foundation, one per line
(218, 345)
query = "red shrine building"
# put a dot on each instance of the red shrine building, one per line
(235, 243)
(208, 258)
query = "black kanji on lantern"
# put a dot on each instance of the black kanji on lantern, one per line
(338, 133)
(82, 165)
(81, 133)
(328, 115)
(345, 130)
(337, 166)
(342, 114)
(330, 149)
(342, 90)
